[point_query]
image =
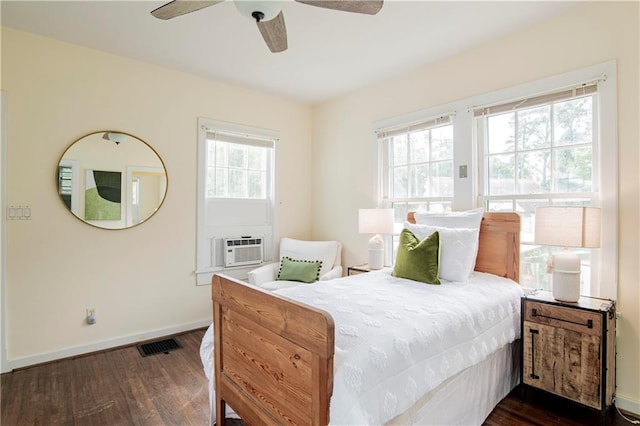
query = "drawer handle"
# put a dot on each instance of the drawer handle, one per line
(534, 313)
(533, 374)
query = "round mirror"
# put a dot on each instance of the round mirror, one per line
(111, 180)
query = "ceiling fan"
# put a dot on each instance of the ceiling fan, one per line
(267, 14)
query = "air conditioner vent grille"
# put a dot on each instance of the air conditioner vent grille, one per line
(243, 251)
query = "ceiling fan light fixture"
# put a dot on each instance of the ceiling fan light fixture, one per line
(267, 14)
(117, 138)
(264, 10)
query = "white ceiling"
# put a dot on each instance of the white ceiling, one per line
(330, 52)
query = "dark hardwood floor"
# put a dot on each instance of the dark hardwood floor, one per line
(542, 409)
(120, 387)
(115, 387)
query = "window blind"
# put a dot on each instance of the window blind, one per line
(566, 94)
(253, 140)
(415, 126)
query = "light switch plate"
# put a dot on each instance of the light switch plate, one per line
(19, 213)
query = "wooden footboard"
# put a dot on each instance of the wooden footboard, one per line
(273, 356)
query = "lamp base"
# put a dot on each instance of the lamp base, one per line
(376, 252)
(566, 277)
(566, 287)
(376, 258)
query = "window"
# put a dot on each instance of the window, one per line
(65, 184)
(541, 151)
(547, 142)
(417, 163)
(69, 184)
(236, 170)
(235, 192)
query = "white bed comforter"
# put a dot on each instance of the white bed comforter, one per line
(398, 339)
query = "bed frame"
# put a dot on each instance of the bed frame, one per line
(274, 356)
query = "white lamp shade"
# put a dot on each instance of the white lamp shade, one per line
(568, 226)
(375, 221)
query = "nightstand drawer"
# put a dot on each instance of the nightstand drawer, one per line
(582, 321)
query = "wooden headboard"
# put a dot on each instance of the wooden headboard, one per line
(499, 245)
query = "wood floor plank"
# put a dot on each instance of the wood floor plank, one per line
(120, 387)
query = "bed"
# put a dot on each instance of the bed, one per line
(416, 353)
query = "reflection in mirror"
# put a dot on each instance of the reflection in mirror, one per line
(111, 180)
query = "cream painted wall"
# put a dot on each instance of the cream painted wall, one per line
(586, 35)
(140, 281)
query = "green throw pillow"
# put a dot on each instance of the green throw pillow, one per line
(306, 271)
(418, 260)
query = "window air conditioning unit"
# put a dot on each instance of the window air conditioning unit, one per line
(242, 251)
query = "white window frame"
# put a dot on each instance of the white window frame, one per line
(468, 191)
(550, 197)
(385, 154)
(209, 236)
(384, 136)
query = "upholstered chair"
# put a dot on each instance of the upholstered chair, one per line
(327, 252)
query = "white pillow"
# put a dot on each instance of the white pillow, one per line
(458, 248)
(465, 219)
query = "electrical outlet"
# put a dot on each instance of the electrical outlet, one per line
(91, 316)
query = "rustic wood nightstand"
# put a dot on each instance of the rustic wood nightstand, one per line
(358, 269)
(569, 348)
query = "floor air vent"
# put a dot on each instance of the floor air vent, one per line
(159, 347)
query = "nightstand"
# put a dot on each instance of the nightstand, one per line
(569, 348)
(358, 269)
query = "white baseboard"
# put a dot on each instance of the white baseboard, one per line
(100, 346)
(629, 405)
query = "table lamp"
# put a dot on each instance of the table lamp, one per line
(567, 227)
(375, 221)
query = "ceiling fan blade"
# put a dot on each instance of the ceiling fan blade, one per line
(181, 7)
(274, 33)
(369, 7)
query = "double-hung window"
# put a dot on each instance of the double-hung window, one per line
(541, 151)
(235, 193)
(417, 167)
(551, 142)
